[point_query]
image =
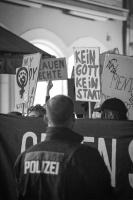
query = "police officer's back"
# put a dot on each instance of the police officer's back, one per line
(61, 168)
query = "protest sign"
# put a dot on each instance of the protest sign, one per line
(86, 73)
(80, 107)
(21, 87)
(26, 82)
(33, 61)
(53, 69)
(117, 77)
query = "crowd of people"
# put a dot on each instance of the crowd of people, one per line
(61, 167)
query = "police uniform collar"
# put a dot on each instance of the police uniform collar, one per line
(62, 133)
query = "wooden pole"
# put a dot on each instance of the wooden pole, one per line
(23, 109)
(89, 109)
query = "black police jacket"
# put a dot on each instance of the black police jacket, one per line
(61, 168)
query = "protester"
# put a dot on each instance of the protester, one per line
(38, 110)
(61, 168)
(113, 109)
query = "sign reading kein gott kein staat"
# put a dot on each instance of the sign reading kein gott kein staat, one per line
(53, 69)
(86, 73)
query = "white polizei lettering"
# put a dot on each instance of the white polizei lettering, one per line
(26, 166)
(46, 166)
(103, 151)
(54, 167)
(37, 168)
(32, 167)
(57, 168)
(50, 167)
(130, 175)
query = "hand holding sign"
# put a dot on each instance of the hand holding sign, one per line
(49, 86)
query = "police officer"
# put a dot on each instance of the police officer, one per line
(61, 168)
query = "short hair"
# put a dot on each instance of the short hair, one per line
(37, 108)
(59, 109)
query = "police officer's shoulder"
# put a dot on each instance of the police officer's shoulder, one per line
(88, 156)
(84, 150)
(29, 150)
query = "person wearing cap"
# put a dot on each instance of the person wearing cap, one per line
(113, 109)
(61, 168)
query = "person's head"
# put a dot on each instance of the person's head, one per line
(36, 111)
(60, 111)
(113, 109)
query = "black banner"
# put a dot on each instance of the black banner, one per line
(113, 139)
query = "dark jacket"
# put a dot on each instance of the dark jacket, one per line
(61, 168)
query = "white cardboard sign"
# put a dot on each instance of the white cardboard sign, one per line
(26, 81)
(86, 74)
(53, 69)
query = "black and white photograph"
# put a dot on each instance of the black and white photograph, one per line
(66, 99)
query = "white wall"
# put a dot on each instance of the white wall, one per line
(68, 29)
